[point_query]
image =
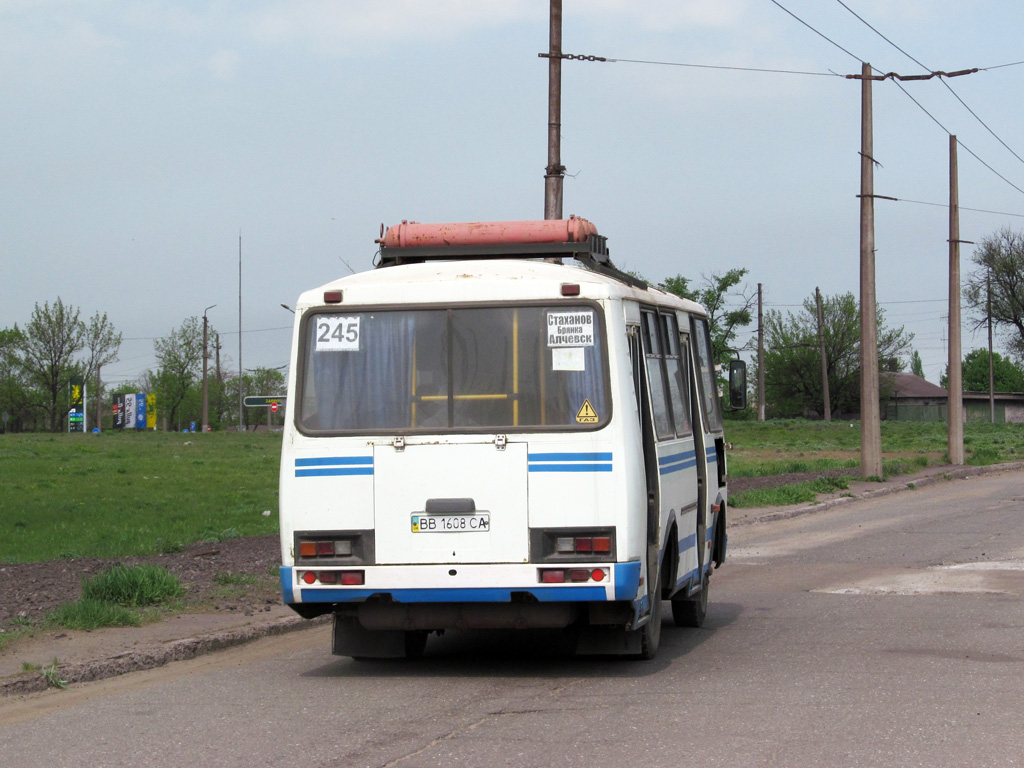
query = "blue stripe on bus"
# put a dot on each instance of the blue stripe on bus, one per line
(286, 584)
(330, 471)
(627, 580)
(570, 462)
(570, 468)
(332, 466)
(688, 542)
(677, 462)
(333, 460)
(570, 456)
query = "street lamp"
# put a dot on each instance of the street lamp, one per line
(206, 357)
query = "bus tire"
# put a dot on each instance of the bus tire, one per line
(691, 611)
(650, 633)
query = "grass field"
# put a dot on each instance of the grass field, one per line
(783, 446)
(120, 493)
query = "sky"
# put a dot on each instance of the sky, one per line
(148, 148)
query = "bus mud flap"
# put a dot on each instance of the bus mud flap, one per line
(350, 638)
(607, 641)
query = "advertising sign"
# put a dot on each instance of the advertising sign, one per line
(118, 421)
(76, 412)
(129, 411)
(140, 411)
(150, 411)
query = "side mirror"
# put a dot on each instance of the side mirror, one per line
(737, 385)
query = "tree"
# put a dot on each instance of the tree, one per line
(17, 399)
(1000, 276)
(916, 366)
(1007, 375)
(50, 342)
(180, 358)
(792, 359)
(728, 309)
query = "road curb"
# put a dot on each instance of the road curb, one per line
(151, 658)
(952, 473)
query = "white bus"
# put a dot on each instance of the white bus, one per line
(478, 436)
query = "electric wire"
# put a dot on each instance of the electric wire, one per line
(941, 79)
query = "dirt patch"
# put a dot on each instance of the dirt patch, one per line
(210, 574)
(740, 484)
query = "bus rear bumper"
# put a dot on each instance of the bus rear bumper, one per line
(410, 584)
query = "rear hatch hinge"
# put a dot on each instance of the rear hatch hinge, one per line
(500, 441)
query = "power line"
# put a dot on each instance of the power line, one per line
(713, 66)
(962, 208)
(942, 80)
(820, 34)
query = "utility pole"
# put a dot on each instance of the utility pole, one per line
(99, 410)
(206, 365)
(241, 427)
(827, 405)
(991, 358)
(555, 171)
(870, 419)
(955, 399)
(760, 356)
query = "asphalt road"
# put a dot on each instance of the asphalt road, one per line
(888, 632)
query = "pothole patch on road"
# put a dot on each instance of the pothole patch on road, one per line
(1001, 577)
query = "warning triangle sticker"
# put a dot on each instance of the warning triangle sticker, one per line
(586, 414)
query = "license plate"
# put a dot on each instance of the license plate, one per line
(451, 523)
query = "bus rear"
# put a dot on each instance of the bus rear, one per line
(464, 449)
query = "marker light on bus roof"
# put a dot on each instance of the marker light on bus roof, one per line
(332, 297)
(570, 289)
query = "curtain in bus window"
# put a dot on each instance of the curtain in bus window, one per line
(366, 384)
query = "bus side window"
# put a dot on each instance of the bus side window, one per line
(706, 379)
(656, 377)
(678, 381)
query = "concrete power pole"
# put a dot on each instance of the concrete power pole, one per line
(555, 171)
(955, 415)
(760, 356)
(826, 405)
(870, 419)
(991, 358)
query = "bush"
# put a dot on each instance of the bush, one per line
(88, 614)
(133, 586)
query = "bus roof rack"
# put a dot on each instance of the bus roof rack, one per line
(413, 243)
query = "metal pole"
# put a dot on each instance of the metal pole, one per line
(760, 356)
(827, 405)
(870, 421)
(555, 171)
(955, 399)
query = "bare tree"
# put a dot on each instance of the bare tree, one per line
(999, 282)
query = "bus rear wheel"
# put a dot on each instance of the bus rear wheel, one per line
(650, 633)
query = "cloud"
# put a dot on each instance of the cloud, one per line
(224, 64)
(341, 28)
